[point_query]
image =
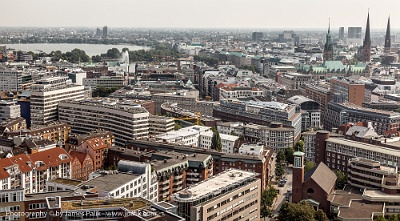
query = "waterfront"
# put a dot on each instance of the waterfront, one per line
(90, 49)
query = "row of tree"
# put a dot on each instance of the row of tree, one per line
(301, 212)
(104, 91)
(392, 217)
(74, 56)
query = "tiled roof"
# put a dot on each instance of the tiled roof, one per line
(25, 163)
(323, 176)
(96, 144)
(79, 155)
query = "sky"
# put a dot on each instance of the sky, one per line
(249, 14)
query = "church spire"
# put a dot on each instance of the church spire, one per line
(328, 49)
(387, 38)
(366, 48)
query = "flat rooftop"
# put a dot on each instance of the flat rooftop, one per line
(380, 196)
(213, 185)
(364, 146)
(129, 203)
(110, 182)
(360, 210)
(66, 181)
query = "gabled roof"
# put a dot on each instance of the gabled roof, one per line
(323, 176)
(25, 163)
(78, 155)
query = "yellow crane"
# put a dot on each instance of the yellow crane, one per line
(197, 118)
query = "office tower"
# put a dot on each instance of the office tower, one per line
(47, 93)
(341, 32)
(387, 38)
(354, 32)
(366, 48)
(105, 32)
(257, 36)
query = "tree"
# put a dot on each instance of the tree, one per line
(279, 171)
(308, 166)
(341, 179)
(297, 212)
(96, 58)
(113, 53)
(216, 142)
(380, 218)
(177, 126)
(320, 216)
(267, 199)
(393, 217)
(300, 146)
(289, 155)
(280, 157)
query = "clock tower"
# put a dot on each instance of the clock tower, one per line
(298, 176)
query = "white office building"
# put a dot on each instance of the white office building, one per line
(126, 120)
(47, 93)
(9, 110)
(187, 136)
(228, 141)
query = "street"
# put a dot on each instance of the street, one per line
(282, 192)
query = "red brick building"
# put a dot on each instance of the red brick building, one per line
(313, 187)
(81, 165)
(97, 149)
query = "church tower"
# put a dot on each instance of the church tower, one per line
(298, 176)
(328, 49)
(388, 43)
(366, 48)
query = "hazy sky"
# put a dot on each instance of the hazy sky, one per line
(253, 14)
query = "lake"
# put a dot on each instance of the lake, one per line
(90, 49)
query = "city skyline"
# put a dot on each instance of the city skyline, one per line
(253, 14)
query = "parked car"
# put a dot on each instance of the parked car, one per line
(281, 183)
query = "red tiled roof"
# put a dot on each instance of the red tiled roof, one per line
(51, 157)
(79, 155)
(96, 144)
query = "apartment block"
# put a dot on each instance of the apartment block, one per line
(104, 81)
(310, 112)
(55, 131)
(320, 93)
(342, 113)
(13, 80)
(9, 110)
(47, 93)
(81, 165)
(160, 124)
(97, 149)
(187, 136)
(263, 113)
(231, 195)
(345, 90)
(262, 164)
(32, 171)
(75, 140)
(174, 170)
(276, 136)
(229, 142)
(231, 92)
(125, 120)
(295, 80)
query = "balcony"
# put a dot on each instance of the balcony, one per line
(178, 177)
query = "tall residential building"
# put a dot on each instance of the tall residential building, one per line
(328, 48)
(160, 124)
(126, 120)
(366, 47)
(341, 32)
(105, 32)
(47, 93)
(387, 38)
(230, 195)
(9, 110)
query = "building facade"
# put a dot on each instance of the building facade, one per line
(47, 93)
(125, 120)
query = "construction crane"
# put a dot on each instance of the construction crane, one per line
(197, 118)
